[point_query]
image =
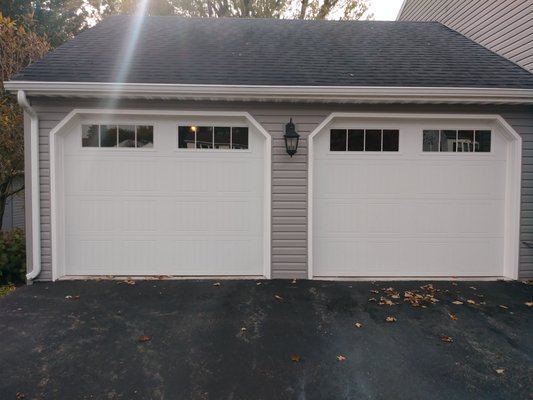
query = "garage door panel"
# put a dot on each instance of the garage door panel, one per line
(165, 210)
(408, 213)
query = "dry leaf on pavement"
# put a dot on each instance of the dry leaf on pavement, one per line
(216, 284)
(391, 319)
(500, 371)
(341, 358)
(529, 303)
(278, 297)
(457, 302)
(358, 325)
(295, 358)
(447, 339)
(502, 306)
(453, 317)
(143, 338)
(471, 301)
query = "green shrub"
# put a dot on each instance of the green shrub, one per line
(12, 257)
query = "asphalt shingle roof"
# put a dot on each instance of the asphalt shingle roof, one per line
(276, 52)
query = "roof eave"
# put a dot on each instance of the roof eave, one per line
(325, 94)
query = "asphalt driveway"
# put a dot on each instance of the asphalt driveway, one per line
(267, 340)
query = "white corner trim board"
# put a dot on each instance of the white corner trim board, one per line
(74, 117)
(511, 208)
(334, 94)
(35, 187)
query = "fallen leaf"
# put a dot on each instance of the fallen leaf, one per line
(143, 338)
(471, 301)
(374, 291)
(278, 297)
(341, 358)
(453, 317)
(20, 396)
(500, 371)
(293, 281)
(529, 303)
(472, 287)
(130, 282)
(68, 296)
(259, 283)
(358, 325)
(216, 284)
(391, 319)
(243, 329)
(295, 358)
(447, 339)
(372, 299)
(457, 302)
(504, 307)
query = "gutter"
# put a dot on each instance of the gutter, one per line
(322, 94)
(35, 187)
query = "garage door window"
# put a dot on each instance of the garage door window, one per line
(133, 136)
(213, 137)
(456, 141)
(362, 140)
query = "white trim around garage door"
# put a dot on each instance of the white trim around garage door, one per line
(512, 189)
(58, 247)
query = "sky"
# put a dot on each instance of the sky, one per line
(385, 10)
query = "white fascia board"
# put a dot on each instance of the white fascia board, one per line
(330, 94)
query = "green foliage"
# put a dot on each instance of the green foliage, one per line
(19, 47)
(12, 257)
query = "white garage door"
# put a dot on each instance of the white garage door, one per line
(408, 199)
(167, 196)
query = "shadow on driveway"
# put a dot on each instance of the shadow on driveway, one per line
(236, 340)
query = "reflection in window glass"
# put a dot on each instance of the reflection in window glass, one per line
(337, 140)
(448, 141)
(482, 141)
(222, 137)
(239, 138)
(186, 137)
(465, 142)
(373, 140)
(126, 136)
(430, 141)
(204, 137)
(356, 139)
(145, 136)
(89, 135)
(391, 138)
(108, 136)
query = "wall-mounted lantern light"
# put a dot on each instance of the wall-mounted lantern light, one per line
(291, 139)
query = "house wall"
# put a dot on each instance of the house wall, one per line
(289, 175)
(14, 210)
(503, 26)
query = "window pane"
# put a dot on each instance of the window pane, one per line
(482, 141)
(186, 137)
(145, 136)
(448, 141)
(356, 139)
(108, 135)
(204, 137)
(373, 140)
(391, 138)
(126, 136)
(465, 141)
(222, 137)
(89, 135)
(430, 141)
(337, 140)
(239, 138)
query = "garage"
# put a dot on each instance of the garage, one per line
(162, 195)
(403, 197)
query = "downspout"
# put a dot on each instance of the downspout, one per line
(35, 187)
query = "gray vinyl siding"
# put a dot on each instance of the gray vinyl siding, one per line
(289, 175)
(14, 210)
(503, 26)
